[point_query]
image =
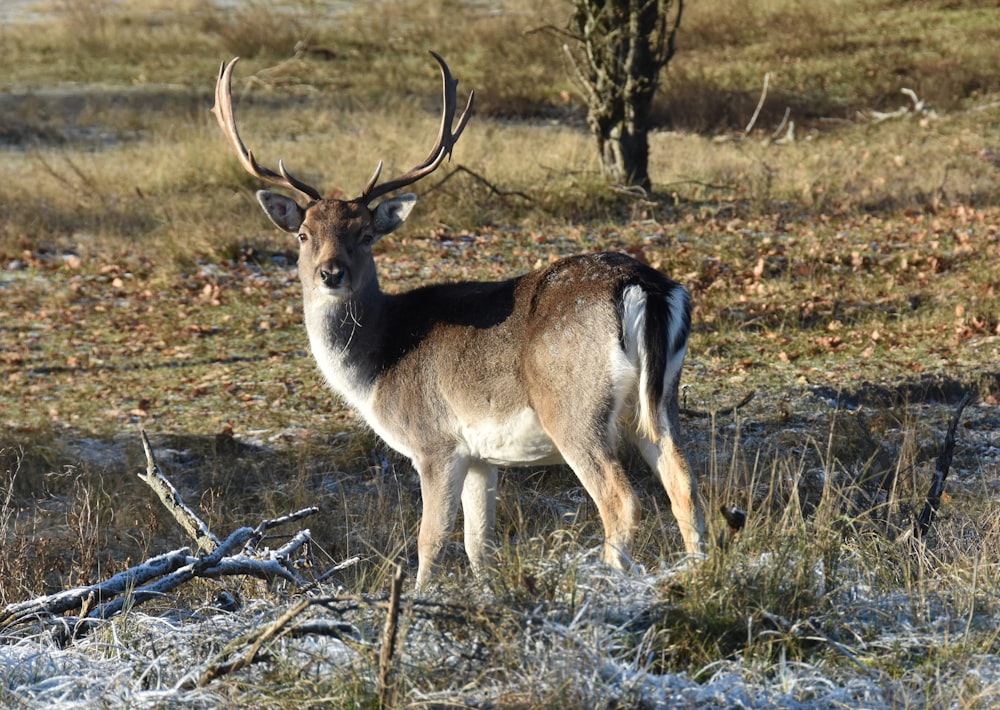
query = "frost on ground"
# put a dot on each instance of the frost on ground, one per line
(593, 659)
(593, 650)
(140, 660)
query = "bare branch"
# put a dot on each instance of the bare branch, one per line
(389, 634)
(261, 530)
(918, 107)
(255, 640)
(698, 414)
(349, 562)
(494, 190)
(61, 602)
(781, 126)
(234, 556)
(172, 501)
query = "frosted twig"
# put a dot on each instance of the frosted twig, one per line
(172, 501)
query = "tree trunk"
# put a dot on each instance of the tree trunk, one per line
(622, 47)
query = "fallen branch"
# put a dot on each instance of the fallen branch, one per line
(760, 105)
(255, 640)
(240, 554)
(790, 135)
(389, 635)
(77, 598)
(944, 460)
(918, 107)
(261, 530)
(494, 190)
(697, 183)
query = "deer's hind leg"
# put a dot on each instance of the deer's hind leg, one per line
(602, 476)
(679, 481)
(581, 380)
(587, 440)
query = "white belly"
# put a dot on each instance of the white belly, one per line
(518, 440)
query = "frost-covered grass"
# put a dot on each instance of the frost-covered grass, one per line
(600, 642)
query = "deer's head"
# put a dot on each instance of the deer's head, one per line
(336, 236)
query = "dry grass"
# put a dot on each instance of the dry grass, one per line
(173, 191)
(148, 76)
(855, 56)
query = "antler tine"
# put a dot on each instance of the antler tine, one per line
(372, 180)
(223, 110)
(446, 139)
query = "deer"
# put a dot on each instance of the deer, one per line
(462, 378)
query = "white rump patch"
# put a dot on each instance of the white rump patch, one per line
(634, 322)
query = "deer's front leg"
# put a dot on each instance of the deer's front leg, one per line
(441, 481)
(479, 507)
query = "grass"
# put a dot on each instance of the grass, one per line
(846, 277)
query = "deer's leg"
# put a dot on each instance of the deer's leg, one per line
(440, 487)
(479, 507)
(603, 478)
(581, 419)
(679, 481)
(588, 443)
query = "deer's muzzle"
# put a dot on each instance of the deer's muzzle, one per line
(333, 278)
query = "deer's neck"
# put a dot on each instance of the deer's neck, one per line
(345, 338)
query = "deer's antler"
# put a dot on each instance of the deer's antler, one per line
(442, 147)
(223, 110)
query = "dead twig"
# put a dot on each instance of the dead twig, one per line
(696, 183)
(261, 530)
(918, 107)
(944, 460)
(781, 126)
(494, 190)
(760, 105)
(171, 499)
(254, 641)
(389, 635)
(349, 562)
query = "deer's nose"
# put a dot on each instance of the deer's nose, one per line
(332, 278)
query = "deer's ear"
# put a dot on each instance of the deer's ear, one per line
(390, 214)
(284, 212)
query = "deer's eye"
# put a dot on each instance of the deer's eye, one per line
(367, 237)
(302, 238)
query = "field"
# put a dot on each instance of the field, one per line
(843, 255)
